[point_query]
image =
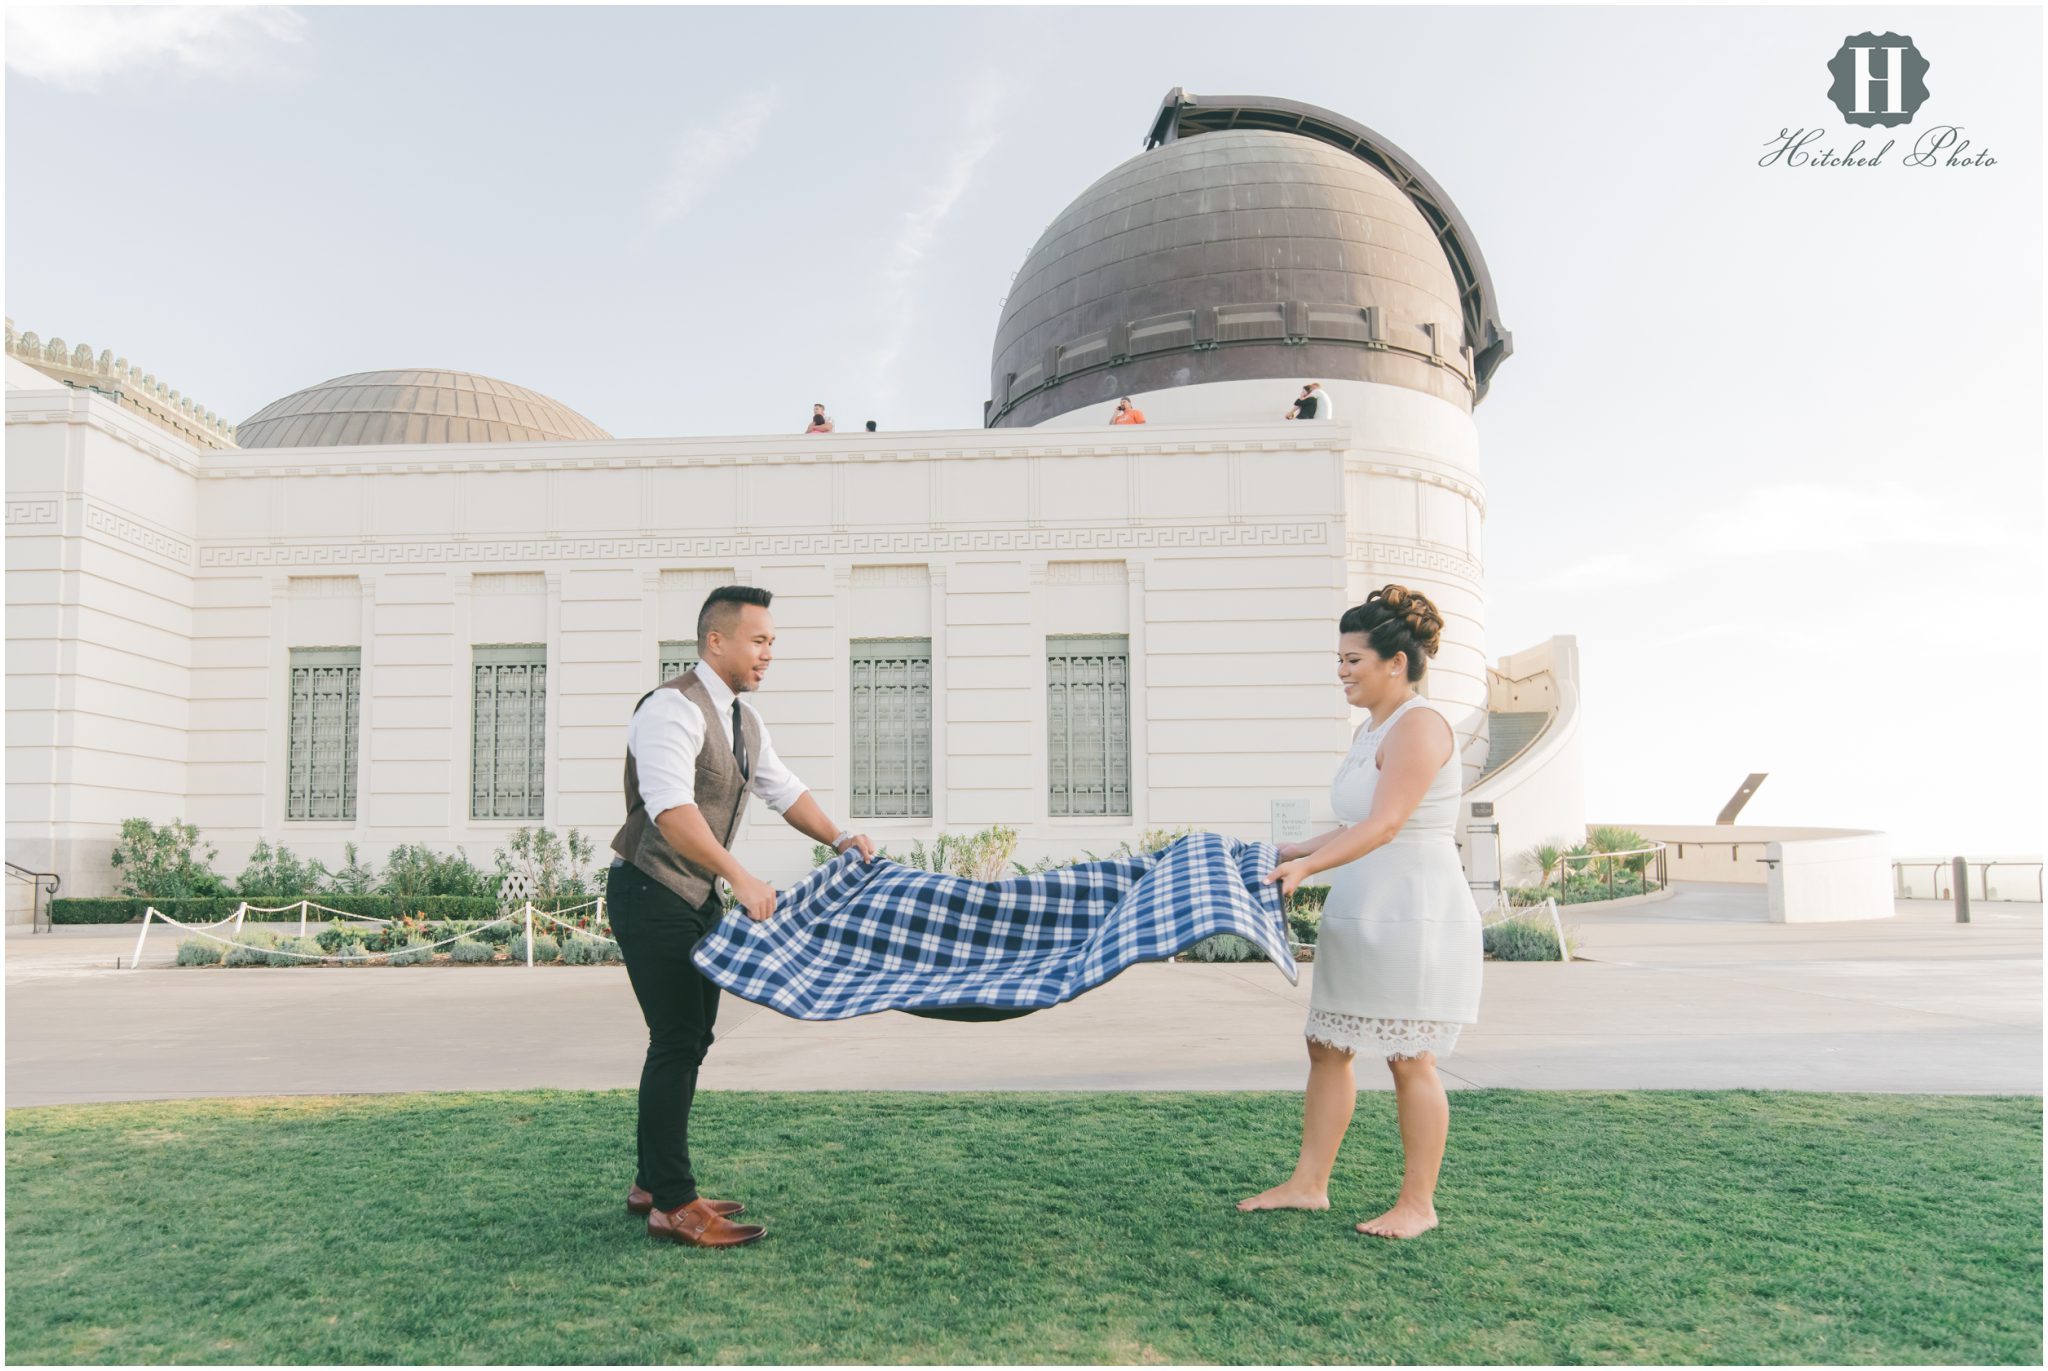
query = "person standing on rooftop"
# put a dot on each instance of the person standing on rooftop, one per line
(1127, 413)
(819, 422)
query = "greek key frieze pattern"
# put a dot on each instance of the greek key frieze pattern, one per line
(892, 544)
(114, 526)
(1421, 558)
(31, 511)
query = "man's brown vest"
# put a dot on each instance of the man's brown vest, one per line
(721, 797)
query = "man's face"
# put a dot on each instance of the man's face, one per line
(741, 657)
(817, 410)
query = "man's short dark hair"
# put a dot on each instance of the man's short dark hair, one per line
(722, 609)
(871, 426)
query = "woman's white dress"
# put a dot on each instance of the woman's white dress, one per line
(1398, 954)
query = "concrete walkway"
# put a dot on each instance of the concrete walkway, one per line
(1697, 992)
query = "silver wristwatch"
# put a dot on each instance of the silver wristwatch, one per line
(846, 835)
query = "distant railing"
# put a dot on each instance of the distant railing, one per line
(1655, 872)
(44, 883)
(1941, 878)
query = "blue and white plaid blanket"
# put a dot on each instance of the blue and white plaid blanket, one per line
(858, 937)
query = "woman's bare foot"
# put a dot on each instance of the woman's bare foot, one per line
(1402, 1221)
(1286, 1195)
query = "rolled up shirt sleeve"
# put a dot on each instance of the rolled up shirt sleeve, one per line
(772, 783)
(665, 737)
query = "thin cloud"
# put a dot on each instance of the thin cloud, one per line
(920, 225)
(80, 47)
(707, 150)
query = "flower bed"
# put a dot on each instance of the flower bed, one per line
(339, 944)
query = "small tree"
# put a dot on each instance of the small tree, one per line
(559, 868)
(355, 877)
(167, 863)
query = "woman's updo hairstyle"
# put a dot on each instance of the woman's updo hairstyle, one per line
(1396, 619)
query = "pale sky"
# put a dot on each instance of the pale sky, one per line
(1770, 444)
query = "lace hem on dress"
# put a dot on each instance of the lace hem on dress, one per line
(1389, 1038)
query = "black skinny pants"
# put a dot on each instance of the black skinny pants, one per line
(656, 929)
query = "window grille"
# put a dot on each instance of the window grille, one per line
(1088, 711)
(676, 658)
(892, 727)
(320, 766)
(509, 732)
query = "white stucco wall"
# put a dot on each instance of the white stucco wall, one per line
(1225, 551)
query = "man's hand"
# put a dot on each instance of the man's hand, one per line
(756, 897)
(861, 841)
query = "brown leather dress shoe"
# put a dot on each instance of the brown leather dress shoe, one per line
(640, 1203)
(696, 1225)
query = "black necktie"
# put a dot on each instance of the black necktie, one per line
(739, 742)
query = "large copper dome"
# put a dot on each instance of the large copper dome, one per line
(413, 407)
(1254, 239)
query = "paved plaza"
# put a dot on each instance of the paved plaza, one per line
(1696, 992)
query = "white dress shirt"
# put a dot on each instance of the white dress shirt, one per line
(1324, 408)
(668, 732)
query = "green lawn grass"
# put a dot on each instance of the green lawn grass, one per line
(1582, 1227)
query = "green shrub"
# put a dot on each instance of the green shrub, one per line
(545, 949)
(578, 951)
(413, 954)
(199, 952)
(354, 876)
(308, 949)
(1225, 947)
(276, 875)
(1522, 940)
(1308, 898)
(608, 950)
(469, 950)
(121, 910)
(415, 872)
(166, 863)
(497, 935)
(253, 948)
(1305, 925)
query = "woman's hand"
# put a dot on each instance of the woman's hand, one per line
(1290, 874)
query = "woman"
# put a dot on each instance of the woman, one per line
(1398, 956)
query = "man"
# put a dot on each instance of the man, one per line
(819, 423)
(694, 753)
(1127, 413)
(1325, 408)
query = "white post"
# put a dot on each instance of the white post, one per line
(1564, 953)
(148, 913)
(305, 907)
(241, 913)
(529, 935)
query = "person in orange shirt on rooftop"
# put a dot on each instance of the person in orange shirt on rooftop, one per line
(1127, 413)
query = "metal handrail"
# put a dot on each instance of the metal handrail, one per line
(1656, 849)
(36, 878)
(1948, 865)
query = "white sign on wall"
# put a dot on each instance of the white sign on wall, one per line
(1290, 821)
